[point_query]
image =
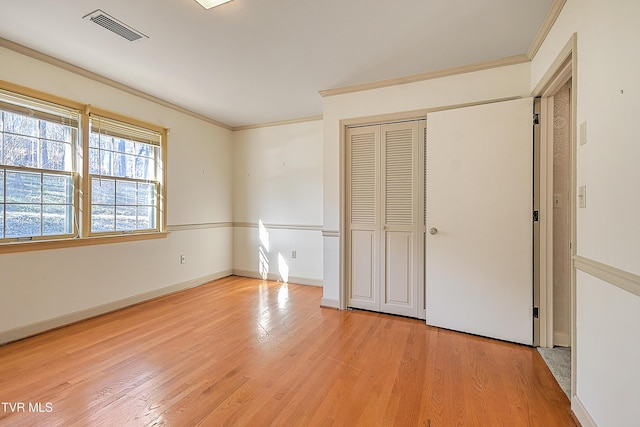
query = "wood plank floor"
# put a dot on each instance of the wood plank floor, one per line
(246, 352)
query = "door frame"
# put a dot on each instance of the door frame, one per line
(563, 69)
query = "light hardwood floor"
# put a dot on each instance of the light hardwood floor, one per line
(246, 352)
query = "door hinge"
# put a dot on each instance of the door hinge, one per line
(535, 216)
(536, 119)
(536, 312)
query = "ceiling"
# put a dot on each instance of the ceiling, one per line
(258, 61)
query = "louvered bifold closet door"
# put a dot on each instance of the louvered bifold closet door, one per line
(401, 218)
(363, 216)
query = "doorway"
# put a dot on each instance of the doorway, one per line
(555, 237)
(562, 216)
(554, 198)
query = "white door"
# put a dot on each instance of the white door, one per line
(362, 243)
(479, 220)
(384, 268)
(401, 223)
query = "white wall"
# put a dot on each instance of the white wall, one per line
(608, 232)
(497, 83)
(278, 180)
(607, 35)
(608, 374)
(37, 287)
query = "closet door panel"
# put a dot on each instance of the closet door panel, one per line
(398, 252)
(362, 214)
(363, 268)
(399, 274)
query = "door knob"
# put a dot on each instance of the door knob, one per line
(433, 231)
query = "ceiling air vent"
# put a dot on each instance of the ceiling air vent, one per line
(112, 24)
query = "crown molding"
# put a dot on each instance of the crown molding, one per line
(278, 123)
(18, 48)
(429, 75)
(547, 24)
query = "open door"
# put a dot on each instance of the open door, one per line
(479, 220)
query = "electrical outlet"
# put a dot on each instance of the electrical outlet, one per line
(183, 259)
(293, 254)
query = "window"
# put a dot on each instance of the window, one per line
(67, 175)
(125, 170)
(37, 173)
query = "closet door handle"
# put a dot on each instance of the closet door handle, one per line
(433, 231)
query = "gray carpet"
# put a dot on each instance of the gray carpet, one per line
(559, 361)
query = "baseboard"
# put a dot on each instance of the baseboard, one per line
(67, 319)
(561, 339)
(330, 303)
(276, 278)
(581, 413)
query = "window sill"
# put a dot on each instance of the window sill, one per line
(41, 245)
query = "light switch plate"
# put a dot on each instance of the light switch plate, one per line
(582, 196)
(583, 133)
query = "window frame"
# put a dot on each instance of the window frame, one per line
(81, 210)
(161, 173)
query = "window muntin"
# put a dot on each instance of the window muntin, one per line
(36, 203)
(125, 175)
(37, 177)
(35, 143)
(120, 205)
